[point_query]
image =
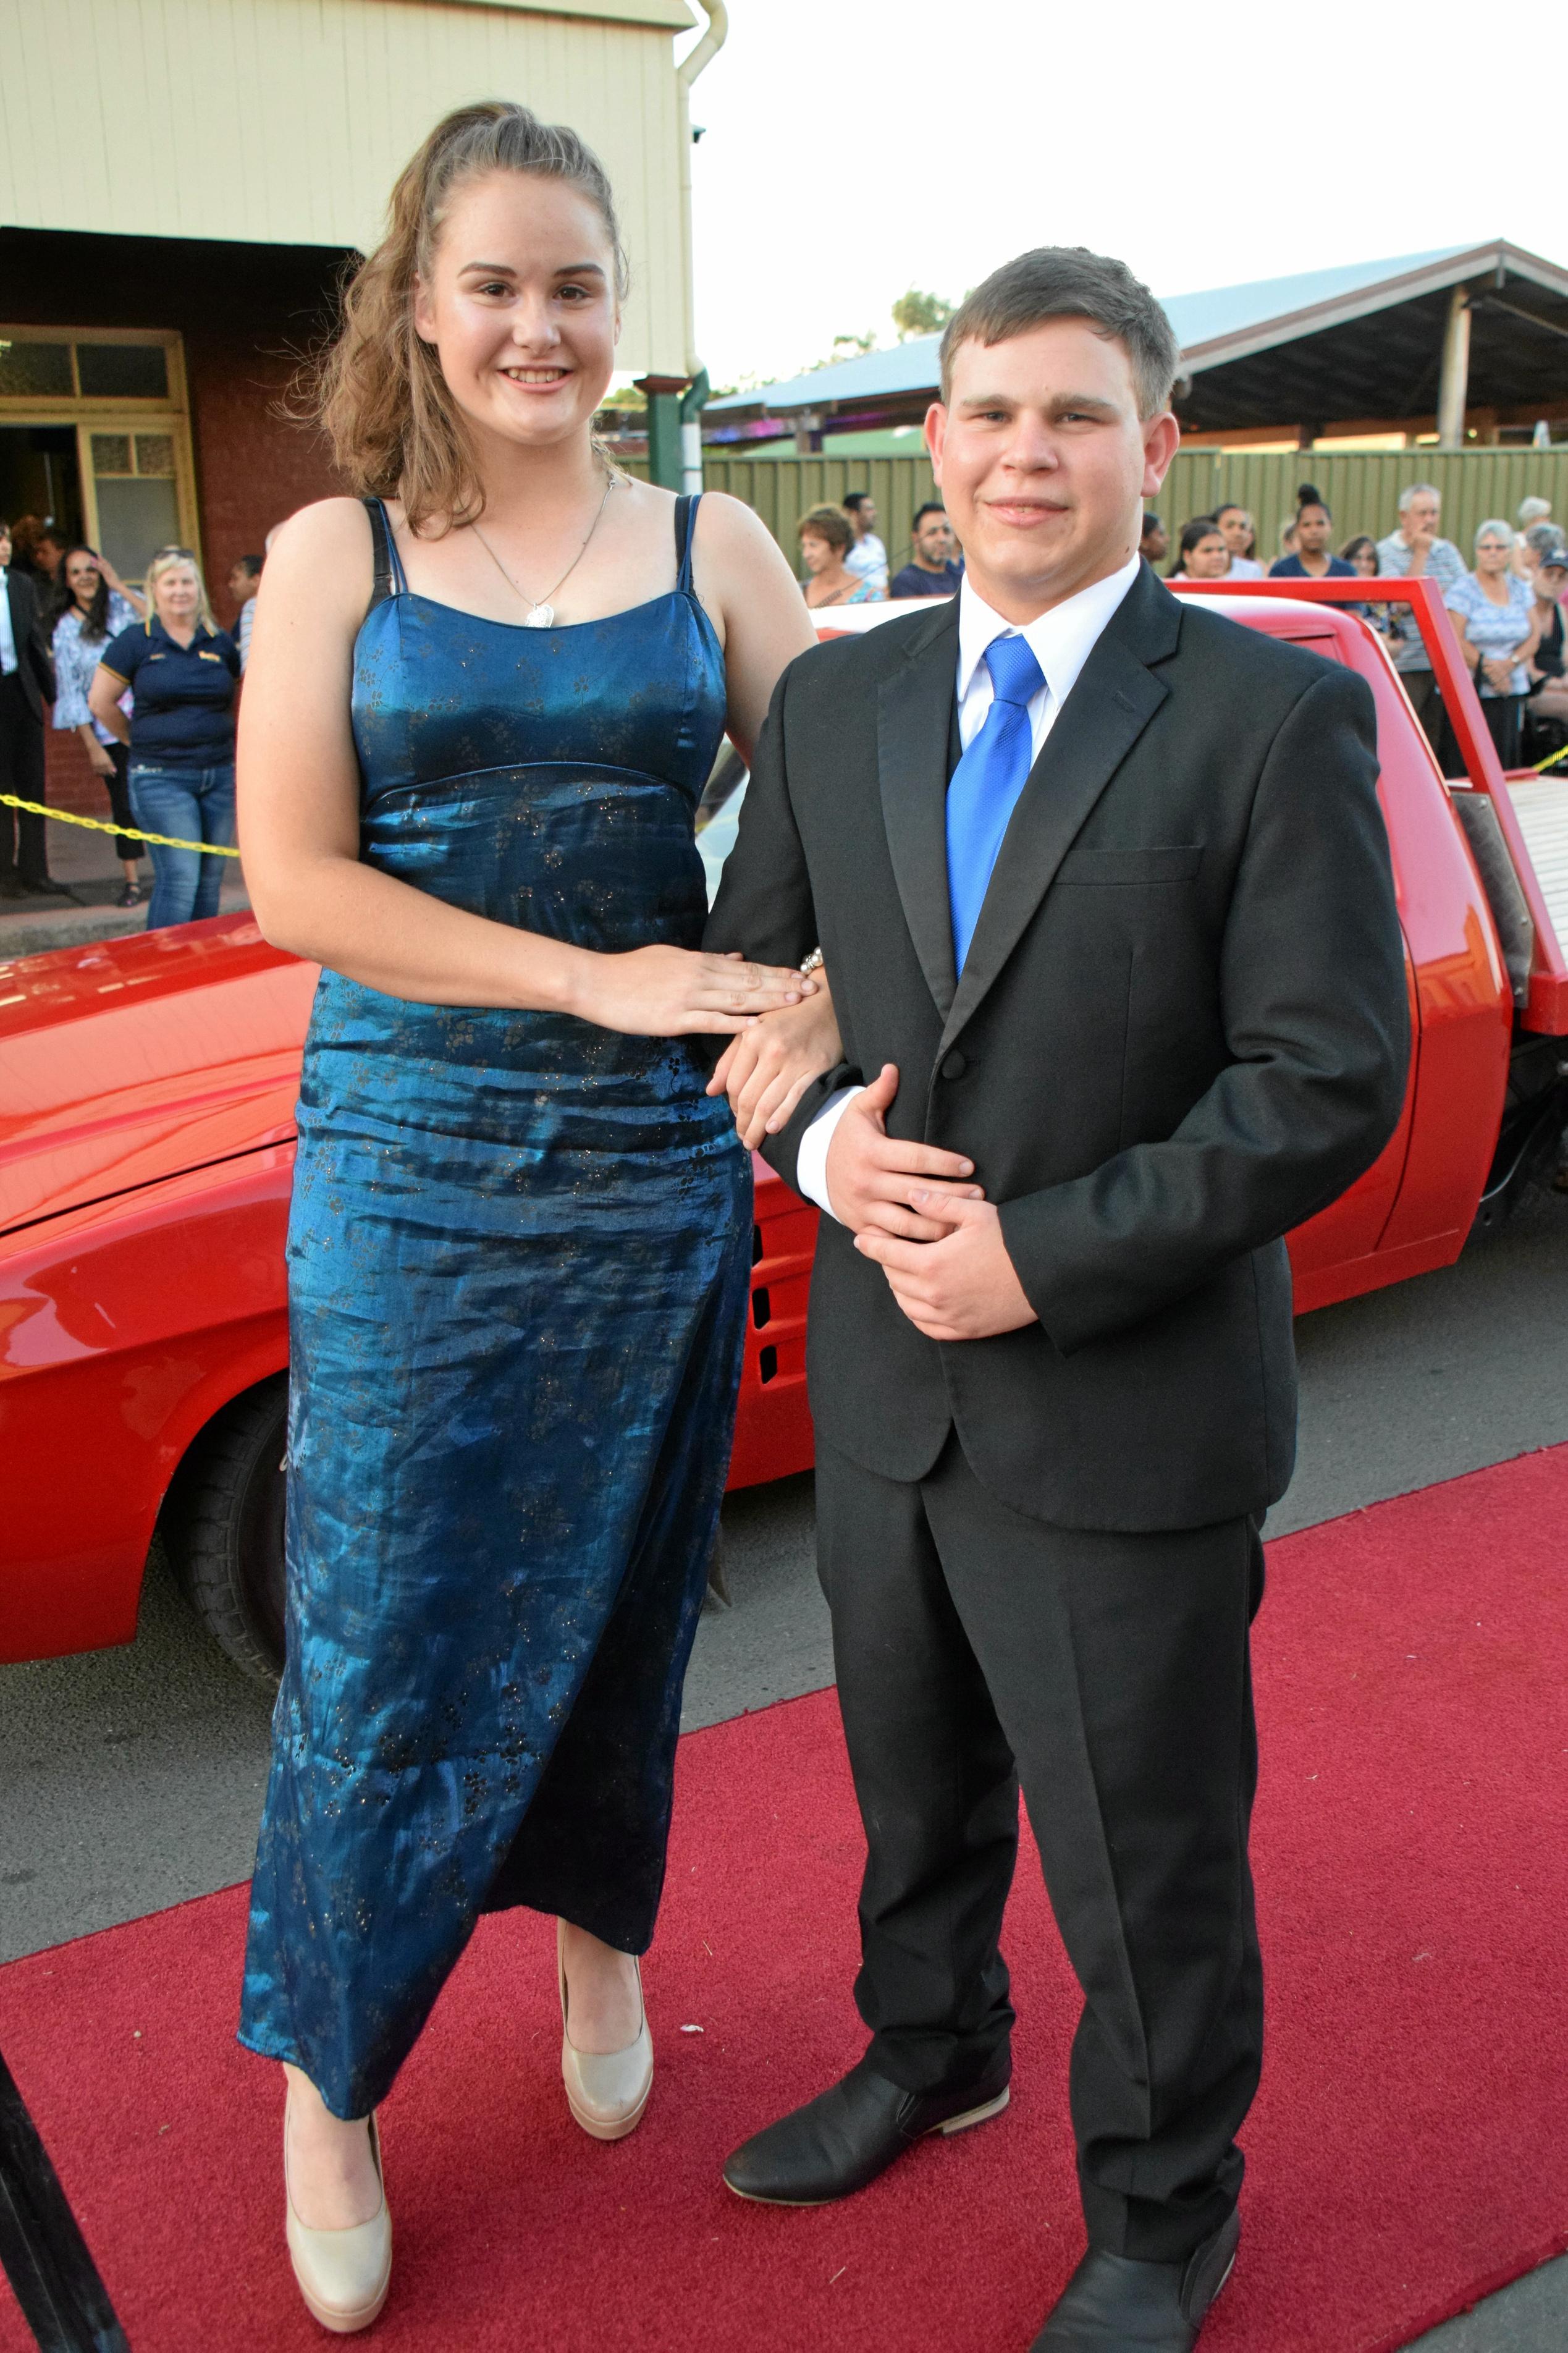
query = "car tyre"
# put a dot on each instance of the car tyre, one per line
(223, 1528)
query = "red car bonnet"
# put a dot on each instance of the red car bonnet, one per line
(135, 1060)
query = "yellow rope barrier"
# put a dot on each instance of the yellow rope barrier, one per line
(1543, 765)
(129, 832)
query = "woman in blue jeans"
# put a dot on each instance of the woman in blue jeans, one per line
(182, 669)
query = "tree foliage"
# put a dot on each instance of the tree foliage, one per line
(845, 347)
(916, 313)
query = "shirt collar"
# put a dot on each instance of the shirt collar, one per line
(1060, 641)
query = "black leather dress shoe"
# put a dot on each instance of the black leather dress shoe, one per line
(11, 887)
(851, 2133)
(44, 886)
(1112, 2305)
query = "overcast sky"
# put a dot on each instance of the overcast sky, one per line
(853, 147)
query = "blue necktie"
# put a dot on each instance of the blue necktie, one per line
(986, 784)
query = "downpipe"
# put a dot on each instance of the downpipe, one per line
(701, 53)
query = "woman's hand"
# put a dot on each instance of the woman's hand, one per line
(102, 765)
(137, 602)
(766, 1071)
(673, 992)
(1498, 675)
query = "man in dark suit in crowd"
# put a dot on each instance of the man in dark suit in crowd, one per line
(1104, 898)
(26, 683)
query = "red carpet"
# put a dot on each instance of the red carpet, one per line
(1408, 2151)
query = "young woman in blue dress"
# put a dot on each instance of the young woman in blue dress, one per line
(482, 702)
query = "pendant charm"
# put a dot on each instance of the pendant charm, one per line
(541, 617)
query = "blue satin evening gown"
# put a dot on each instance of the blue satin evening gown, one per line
(518, 1259)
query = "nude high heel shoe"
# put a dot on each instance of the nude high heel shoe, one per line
(606, 2090)
(343, 2275)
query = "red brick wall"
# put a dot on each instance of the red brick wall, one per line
(246, 313)
(71, 783)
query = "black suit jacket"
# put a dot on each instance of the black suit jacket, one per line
(34, 664)
(1180, 1029)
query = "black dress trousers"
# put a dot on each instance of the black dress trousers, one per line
(1109, 1674)
(22, 846)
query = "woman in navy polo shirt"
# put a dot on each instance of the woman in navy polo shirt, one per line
(183, 667)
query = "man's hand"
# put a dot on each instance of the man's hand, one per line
(767, 1069)
(871, 1175)
(962, 1287)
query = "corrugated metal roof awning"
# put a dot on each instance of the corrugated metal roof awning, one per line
(1234, 346)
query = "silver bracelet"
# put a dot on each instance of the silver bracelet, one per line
(812, 963)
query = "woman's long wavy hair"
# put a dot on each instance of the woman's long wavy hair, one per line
(379, 394)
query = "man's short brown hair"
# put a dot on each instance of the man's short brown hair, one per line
(1068, 281)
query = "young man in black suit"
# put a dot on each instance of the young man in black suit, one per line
(26, 683)
(1105, 904)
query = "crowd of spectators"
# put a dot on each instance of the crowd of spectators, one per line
(67, 620)
(846, 561)
(1506, 608)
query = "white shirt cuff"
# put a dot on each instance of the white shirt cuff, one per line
(811, 1160)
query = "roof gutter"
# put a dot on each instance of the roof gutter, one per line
(700, 55)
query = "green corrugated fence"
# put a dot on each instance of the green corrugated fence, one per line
(1363, 488)
(782, 489)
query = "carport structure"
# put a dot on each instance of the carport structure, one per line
(1470, 343)
(1466, 341)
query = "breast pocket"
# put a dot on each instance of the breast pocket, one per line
(1121, 868)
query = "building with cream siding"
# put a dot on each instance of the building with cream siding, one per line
(182, 184)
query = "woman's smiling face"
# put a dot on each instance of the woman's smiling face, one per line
(81, 577)
(177, 596)
(521, 305)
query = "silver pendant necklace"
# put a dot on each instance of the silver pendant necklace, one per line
(540, 613)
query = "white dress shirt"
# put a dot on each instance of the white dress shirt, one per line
(867, 560)
(7, 635)
(1061, 642)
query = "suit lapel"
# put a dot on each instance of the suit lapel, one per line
(914, 719)
(1112, 703)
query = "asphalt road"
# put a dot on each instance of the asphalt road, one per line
(132, 1779)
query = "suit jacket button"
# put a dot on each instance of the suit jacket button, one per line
(953, 1065)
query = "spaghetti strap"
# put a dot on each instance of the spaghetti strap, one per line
(390, 578)
(684, 524)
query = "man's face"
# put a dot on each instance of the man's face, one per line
(241, 585)
(864, 517)
(1156, 542)
(1422, 516)
(4, 549)
(1313, 529)
(1236, 529)
(1044, 462)
(934, 542)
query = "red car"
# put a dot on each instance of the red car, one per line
(147, 1095)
